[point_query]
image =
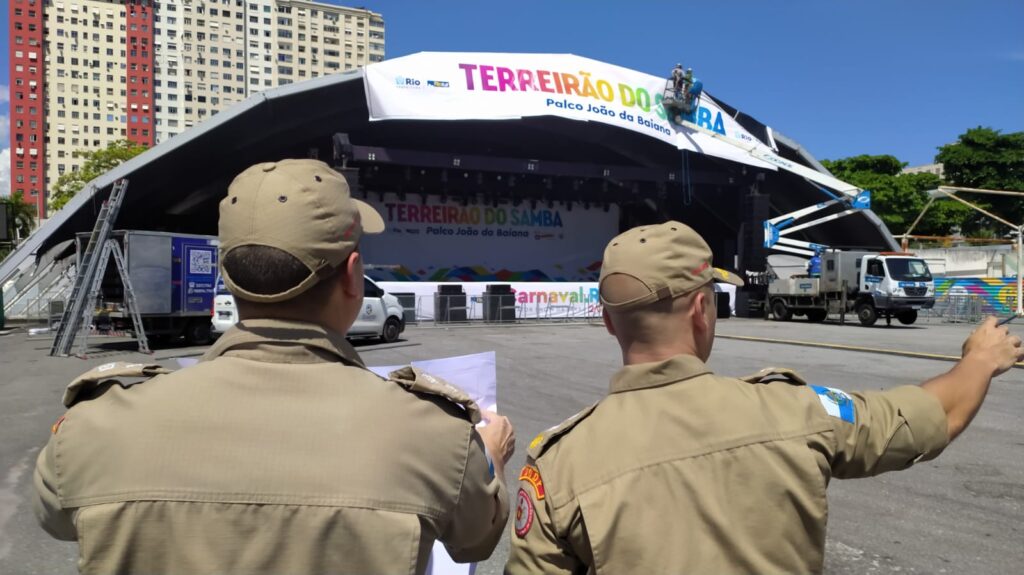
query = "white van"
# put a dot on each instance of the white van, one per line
(381, 316)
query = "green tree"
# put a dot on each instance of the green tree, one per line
(985, 158)
(97, 163)
(21, 218)
(881, 165)
(899, 198)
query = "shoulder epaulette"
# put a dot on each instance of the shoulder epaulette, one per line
(414, 379)
(772, 373)
(547, 437)
(106, 373)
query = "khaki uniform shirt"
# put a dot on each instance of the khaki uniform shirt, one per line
(678, 470)
(279, 453)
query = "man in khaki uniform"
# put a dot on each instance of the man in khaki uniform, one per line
(679, 470)
(279, 452)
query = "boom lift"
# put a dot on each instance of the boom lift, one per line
(681, 101)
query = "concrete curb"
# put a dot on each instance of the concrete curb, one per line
(842, 347)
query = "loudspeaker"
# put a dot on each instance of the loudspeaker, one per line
(722, 301)
(499, 303)
(408, 302)
(450, 304)
(753, 212)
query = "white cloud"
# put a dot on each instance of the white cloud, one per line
(5, 172)
(5, 130)
(5, 93)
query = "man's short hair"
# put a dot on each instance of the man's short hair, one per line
(264, 270)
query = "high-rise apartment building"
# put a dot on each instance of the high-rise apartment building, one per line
(99, 78)
(88, 72)
(27, 109)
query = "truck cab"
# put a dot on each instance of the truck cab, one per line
(892, 284)
(381, 315)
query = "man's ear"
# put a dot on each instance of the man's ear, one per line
(697, 316)
(608, 325)
(352, 282)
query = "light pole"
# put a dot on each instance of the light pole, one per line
(1020, 277)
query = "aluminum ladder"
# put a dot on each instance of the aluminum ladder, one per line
(77, 316)
(111, 248)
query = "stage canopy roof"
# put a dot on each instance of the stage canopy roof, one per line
(177, 185)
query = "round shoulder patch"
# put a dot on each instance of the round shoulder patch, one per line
(524, 513)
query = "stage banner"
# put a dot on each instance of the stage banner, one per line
(429, 240)
(501, 86)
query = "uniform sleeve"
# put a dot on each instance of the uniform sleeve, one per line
(536, 547)
(56, 521)
(883, 430)
(482, 510)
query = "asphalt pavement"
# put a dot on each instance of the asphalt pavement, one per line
(960, 513)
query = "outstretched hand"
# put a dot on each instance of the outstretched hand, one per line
(994, 345)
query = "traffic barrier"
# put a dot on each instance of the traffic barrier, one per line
(958, 308)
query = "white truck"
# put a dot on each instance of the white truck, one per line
(381, 317)
(870, 284)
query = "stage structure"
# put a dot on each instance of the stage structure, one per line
(493, 167)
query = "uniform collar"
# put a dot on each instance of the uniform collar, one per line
(284, 341)
(658, 373)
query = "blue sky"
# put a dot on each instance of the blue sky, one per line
(841, 77)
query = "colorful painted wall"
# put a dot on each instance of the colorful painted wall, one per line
(998, 295)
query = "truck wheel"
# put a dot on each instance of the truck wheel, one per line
(816, 315)
(198, 332)
(866, 314)
(392, 327)
(907, 316)
(780, 311)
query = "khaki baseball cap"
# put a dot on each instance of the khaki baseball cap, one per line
(302, 207)
(658, 262)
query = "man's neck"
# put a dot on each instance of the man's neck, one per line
(325, 323)
(645, 353)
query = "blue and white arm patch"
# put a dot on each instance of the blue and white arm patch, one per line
(836, 403)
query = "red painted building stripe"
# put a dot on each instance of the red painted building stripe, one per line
(27, 102)
(141, 126)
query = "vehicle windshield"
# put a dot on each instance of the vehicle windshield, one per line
(905, 269)
(371, 289)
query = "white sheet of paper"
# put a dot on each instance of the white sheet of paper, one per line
(477, 375)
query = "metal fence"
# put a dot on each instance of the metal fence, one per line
(448, 309)
(958, 308)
